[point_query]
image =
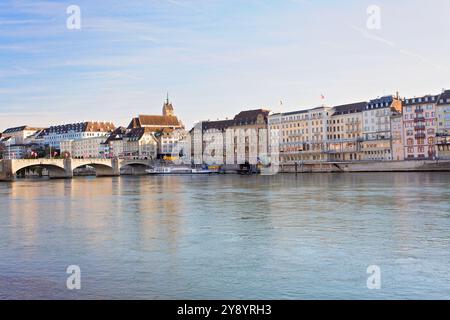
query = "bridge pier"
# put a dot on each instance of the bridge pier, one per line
(106, 171)
(6, 170)
(57, 174)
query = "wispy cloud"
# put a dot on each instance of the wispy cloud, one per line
(37, 8)
(424, 59)
(4, 22)
(110, 75)
(23, 48)
(371, 36)
(15, 71)
(185, 4)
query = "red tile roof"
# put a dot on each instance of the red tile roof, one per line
(159, 121)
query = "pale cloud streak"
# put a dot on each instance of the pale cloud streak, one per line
(369, 35)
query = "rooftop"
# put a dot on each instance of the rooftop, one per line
(250, 116)
(117, 134)
(19, 129)
(219, 124)
(247, 117)
(79, 127)
(444, 98)
(420, 100)
(349, 108)
(150, 120)
(136, 134)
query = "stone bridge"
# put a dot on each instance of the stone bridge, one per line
(63, 168)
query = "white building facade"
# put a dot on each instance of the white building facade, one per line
(76, 131)
(377, 142)
(19, 135)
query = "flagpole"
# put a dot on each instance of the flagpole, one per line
(322, 97)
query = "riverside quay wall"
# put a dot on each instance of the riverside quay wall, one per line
(64, 168)
(367, 166)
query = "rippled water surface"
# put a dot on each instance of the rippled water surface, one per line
(224, 237)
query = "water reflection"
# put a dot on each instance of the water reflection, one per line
(286, 236)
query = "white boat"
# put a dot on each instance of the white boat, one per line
(177, 170)
(202, 171)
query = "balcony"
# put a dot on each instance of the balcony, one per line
(419, 119)
(342, 140)
(419, 127)
(343, 150)
(418, 111)
(420, 135)
(443, 134)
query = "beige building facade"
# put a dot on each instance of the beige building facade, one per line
(140, 143)
(398, 148)
(319, 134)
(83, 148)
(302, 135)
(238, 141)
(345, 132)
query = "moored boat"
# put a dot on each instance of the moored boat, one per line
(177, 171)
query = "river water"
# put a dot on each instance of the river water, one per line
(310, 236)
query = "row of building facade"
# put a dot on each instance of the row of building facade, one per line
(383, 129)
(146, 137)
(388, 128)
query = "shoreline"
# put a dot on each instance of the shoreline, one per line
(369, 166)
(293, 168)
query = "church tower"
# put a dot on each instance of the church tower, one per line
(168, 108)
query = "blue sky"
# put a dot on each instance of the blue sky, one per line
(215, 57)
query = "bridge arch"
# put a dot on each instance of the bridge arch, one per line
(102, 167)
(54, 169)
(134, 167)
(135, 163)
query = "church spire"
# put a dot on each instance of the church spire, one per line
(168, 108)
